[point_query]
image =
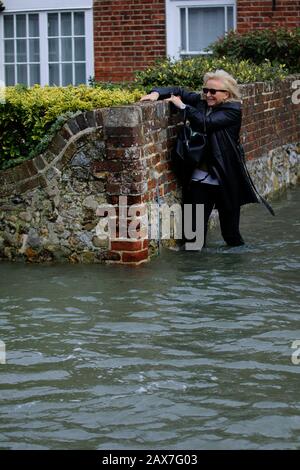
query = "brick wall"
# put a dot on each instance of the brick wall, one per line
(128, 35)
(258, 14)
(48, 206)
(270, 118)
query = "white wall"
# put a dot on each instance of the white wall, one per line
(31, 5)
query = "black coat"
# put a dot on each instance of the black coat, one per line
(223, 126)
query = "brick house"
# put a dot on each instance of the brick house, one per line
(67, 41)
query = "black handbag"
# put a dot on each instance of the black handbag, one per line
(190, 149)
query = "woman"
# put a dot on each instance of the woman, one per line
(222, 181)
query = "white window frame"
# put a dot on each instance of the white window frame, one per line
(26, 38)
(59, 6)
(173, 22)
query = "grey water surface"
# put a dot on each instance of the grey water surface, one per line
(191, 351)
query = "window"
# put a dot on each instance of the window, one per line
(201, 26)
(192, 25)
(66, 48)
(52, 47)
(21, 49)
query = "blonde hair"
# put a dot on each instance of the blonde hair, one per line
(230, 84)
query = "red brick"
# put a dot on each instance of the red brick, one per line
(124, 32)
(127, 245)
(134, 256)
(258, 15)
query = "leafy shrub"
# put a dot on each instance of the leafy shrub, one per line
(130, 86)
(280, 46)
(30, 116)
(189, 72)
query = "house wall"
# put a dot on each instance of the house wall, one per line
(49, 205)
(129, 35)
(260, 14)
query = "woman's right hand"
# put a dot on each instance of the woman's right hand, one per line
(153, 96)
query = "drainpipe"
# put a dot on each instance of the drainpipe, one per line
(273, 5)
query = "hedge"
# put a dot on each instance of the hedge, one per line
(30, 116)
(189, 72)
(280, 46)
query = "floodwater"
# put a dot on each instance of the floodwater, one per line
(192, 351)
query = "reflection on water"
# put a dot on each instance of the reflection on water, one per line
(192, 351)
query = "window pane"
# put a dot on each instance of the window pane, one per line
(79, 29)
(34, 26)
(205, 26)
(67, 74)
(54, 74)
(34, 50)
(80, 74)
(9, 50)
(230, 24)
(9, 75)
(53, 50)
(79, 49)
(66, 24)
(34, 71)
(66, 49)
(8, 26)
(52, 24)
(22, 74)
(21, 26)
(183, 29)
(21, 50)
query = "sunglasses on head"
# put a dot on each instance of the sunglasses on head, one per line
(211, 90)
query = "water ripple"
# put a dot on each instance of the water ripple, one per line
(192, 351)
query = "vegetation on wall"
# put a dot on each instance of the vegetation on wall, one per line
(259, 55)
(30, 116)
(189, 72)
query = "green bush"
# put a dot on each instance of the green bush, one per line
(279, 46)
(189, 72)
(30, 116)
(126, 85)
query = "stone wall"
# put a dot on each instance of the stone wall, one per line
(49, 206)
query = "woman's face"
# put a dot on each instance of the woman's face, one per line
(220, 96)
